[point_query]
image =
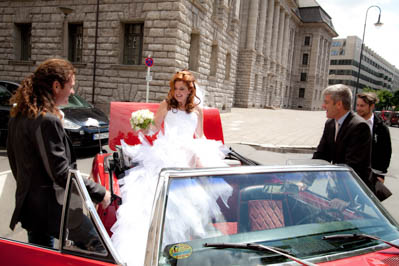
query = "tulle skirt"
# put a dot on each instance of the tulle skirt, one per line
(133, 216)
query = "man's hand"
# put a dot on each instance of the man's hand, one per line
(107, 200)
(338, 204)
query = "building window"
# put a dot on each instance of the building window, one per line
(307, 40)
(342, 52)
(214, 59)
(305, 59)
(23, 41)
(334, 52)
(75, 42)
(228, 66)
(133, 44)
(336, 44)
(301, 93)
(193, 61)
(303, 76)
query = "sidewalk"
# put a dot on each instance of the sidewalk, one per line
(280, 130)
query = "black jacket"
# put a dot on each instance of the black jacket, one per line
(381, 146)
(40, 156)
(352, 147)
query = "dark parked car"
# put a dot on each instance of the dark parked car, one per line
(85, 124)
(6, 90)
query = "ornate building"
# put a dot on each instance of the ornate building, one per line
(253, 53)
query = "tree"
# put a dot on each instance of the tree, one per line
(385, 98)
(395, 100)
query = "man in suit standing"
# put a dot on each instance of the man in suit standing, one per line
(40, 154)
(346, 138)
(381, 148)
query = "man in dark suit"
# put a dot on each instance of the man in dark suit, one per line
(346, 138)
(381, 148)
(40, 153)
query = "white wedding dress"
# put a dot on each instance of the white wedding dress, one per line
(175, 148)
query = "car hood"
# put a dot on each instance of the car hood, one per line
(81, 115)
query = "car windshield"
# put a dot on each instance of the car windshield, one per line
(75, 101)
(292, 211)
(5, 96)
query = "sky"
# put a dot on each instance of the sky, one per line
(348, 17)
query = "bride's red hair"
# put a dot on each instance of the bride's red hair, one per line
(189, 80)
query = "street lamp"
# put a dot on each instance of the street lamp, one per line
(377, 24)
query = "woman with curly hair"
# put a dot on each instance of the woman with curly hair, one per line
(182, 144)
(40, 153)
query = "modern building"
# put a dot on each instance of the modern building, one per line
(253, 53)
(375, 72)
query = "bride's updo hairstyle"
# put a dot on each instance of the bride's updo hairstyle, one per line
(35, 96)
(189, 80)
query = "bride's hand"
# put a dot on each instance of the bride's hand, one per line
(149, 131)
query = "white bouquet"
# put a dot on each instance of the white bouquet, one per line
(141, 119)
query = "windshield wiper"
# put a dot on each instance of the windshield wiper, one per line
(358, 236)
(253, 246)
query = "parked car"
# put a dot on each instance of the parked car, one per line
(6, 90)
(290, 214)
(390, 118)
(86, 125)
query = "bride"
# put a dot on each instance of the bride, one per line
(181, 144)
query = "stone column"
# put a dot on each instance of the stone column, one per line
(262, 26)
(269, 28)
(321, 50)
(252, 24)
(280, 37)
(286, 42)
(275, 31)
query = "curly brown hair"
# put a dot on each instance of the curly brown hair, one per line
(188, 78)
(35, 95)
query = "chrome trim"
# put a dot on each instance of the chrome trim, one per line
(94, 215)
(184, 172)
(61, 239)
(156, 218)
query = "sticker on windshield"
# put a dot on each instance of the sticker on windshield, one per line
(180, 251)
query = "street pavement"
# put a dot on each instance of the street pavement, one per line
(279, 130)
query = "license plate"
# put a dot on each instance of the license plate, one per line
(100, 136)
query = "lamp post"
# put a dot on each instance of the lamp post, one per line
(377, 24)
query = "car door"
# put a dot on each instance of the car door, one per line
(84, 240)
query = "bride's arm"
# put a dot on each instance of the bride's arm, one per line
(199, 132)
(159, 116)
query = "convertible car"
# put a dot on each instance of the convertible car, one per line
(307, 214)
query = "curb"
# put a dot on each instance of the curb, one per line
(281, 148)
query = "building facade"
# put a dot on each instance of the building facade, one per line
(253, 53)
(375, 72)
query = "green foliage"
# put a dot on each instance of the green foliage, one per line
(385, 99)
(395, 100)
